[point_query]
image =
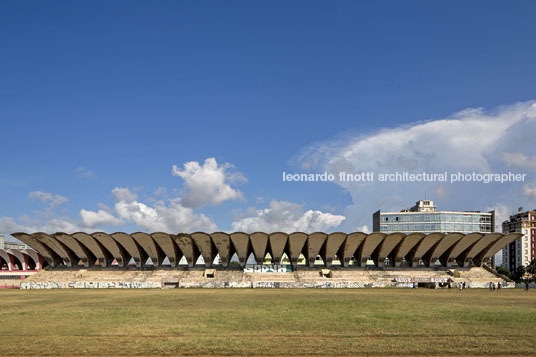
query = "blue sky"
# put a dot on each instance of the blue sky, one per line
(97, 96)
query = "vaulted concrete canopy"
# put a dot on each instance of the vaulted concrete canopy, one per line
(458, 248)
(96, 249)
(454, 248)
(8, 259)
(80, 250)
(259, 244)
(485, 255)
(334, 241)
(22, 259)
(242, 246)
(467, 256)
(205, 246)
(408, 243)
(440, 248)
(313, 245)
(147, 243)
(168, 246)
(387, 246)
(369, 245)
(67, 255)
(135, 251)
(51, 257)
(419, 251)
(223, 244)
(38, 259)
(187, 247)
(296, 242)
(120, 254)
(349, 248)
(277, 243)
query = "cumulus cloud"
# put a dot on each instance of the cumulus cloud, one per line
(93, 219)
(462, 141)
(167, 218)
(208, 183)
(472, 140)
(51, 199)
(124, 194)
(287, 217)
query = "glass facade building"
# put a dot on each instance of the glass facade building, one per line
(429, 221)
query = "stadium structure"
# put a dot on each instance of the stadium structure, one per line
(259, 259)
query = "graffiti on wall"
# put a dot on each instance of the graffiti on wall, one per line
(92, 285)
(267, 268)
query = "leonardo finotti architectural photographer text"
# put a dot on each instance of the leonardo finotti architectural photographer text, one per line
(405, 176)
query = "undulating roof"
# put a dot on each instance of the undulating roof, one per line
(401, 249)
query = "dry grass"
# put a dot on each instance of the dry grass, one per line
(267, 322)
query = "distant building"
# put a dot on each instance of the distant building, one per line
(10, 245)
(424, 217)
(522, 251)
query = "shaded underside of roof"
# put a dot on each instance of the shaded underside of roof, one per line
(396, 249)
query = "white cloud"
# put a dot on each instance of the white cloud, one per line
(207, 184)
(124, 194)
(529, 190)
(364, 228)
(286, 217)
(470, 140)
(51, 199)
(173, 218)
(520, 160)
(9, 225)
(64, 224)
(59, 224)
(461, 141)
(92, 219)
(84, 172)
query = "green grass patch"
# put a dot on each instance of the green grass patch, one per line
(286, 322)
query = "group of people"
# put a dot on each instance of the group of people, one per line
(493, 286)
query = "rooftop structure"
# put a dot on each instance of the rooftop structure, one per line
(10, 245)
(424, 217)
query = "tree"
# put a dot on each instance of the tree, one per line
(504, 271)
(531, 270)
(519, 274)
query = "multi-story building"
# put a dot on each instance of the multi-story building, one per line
(10, 245)
(522, 251)
(424, 217)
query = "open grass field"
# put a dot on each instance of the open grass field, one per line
(268, 322)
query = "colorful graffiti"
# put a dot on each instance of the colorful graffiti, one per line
(267, 268)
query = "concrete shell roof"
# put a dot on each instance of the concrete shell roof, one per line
(455, 249)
